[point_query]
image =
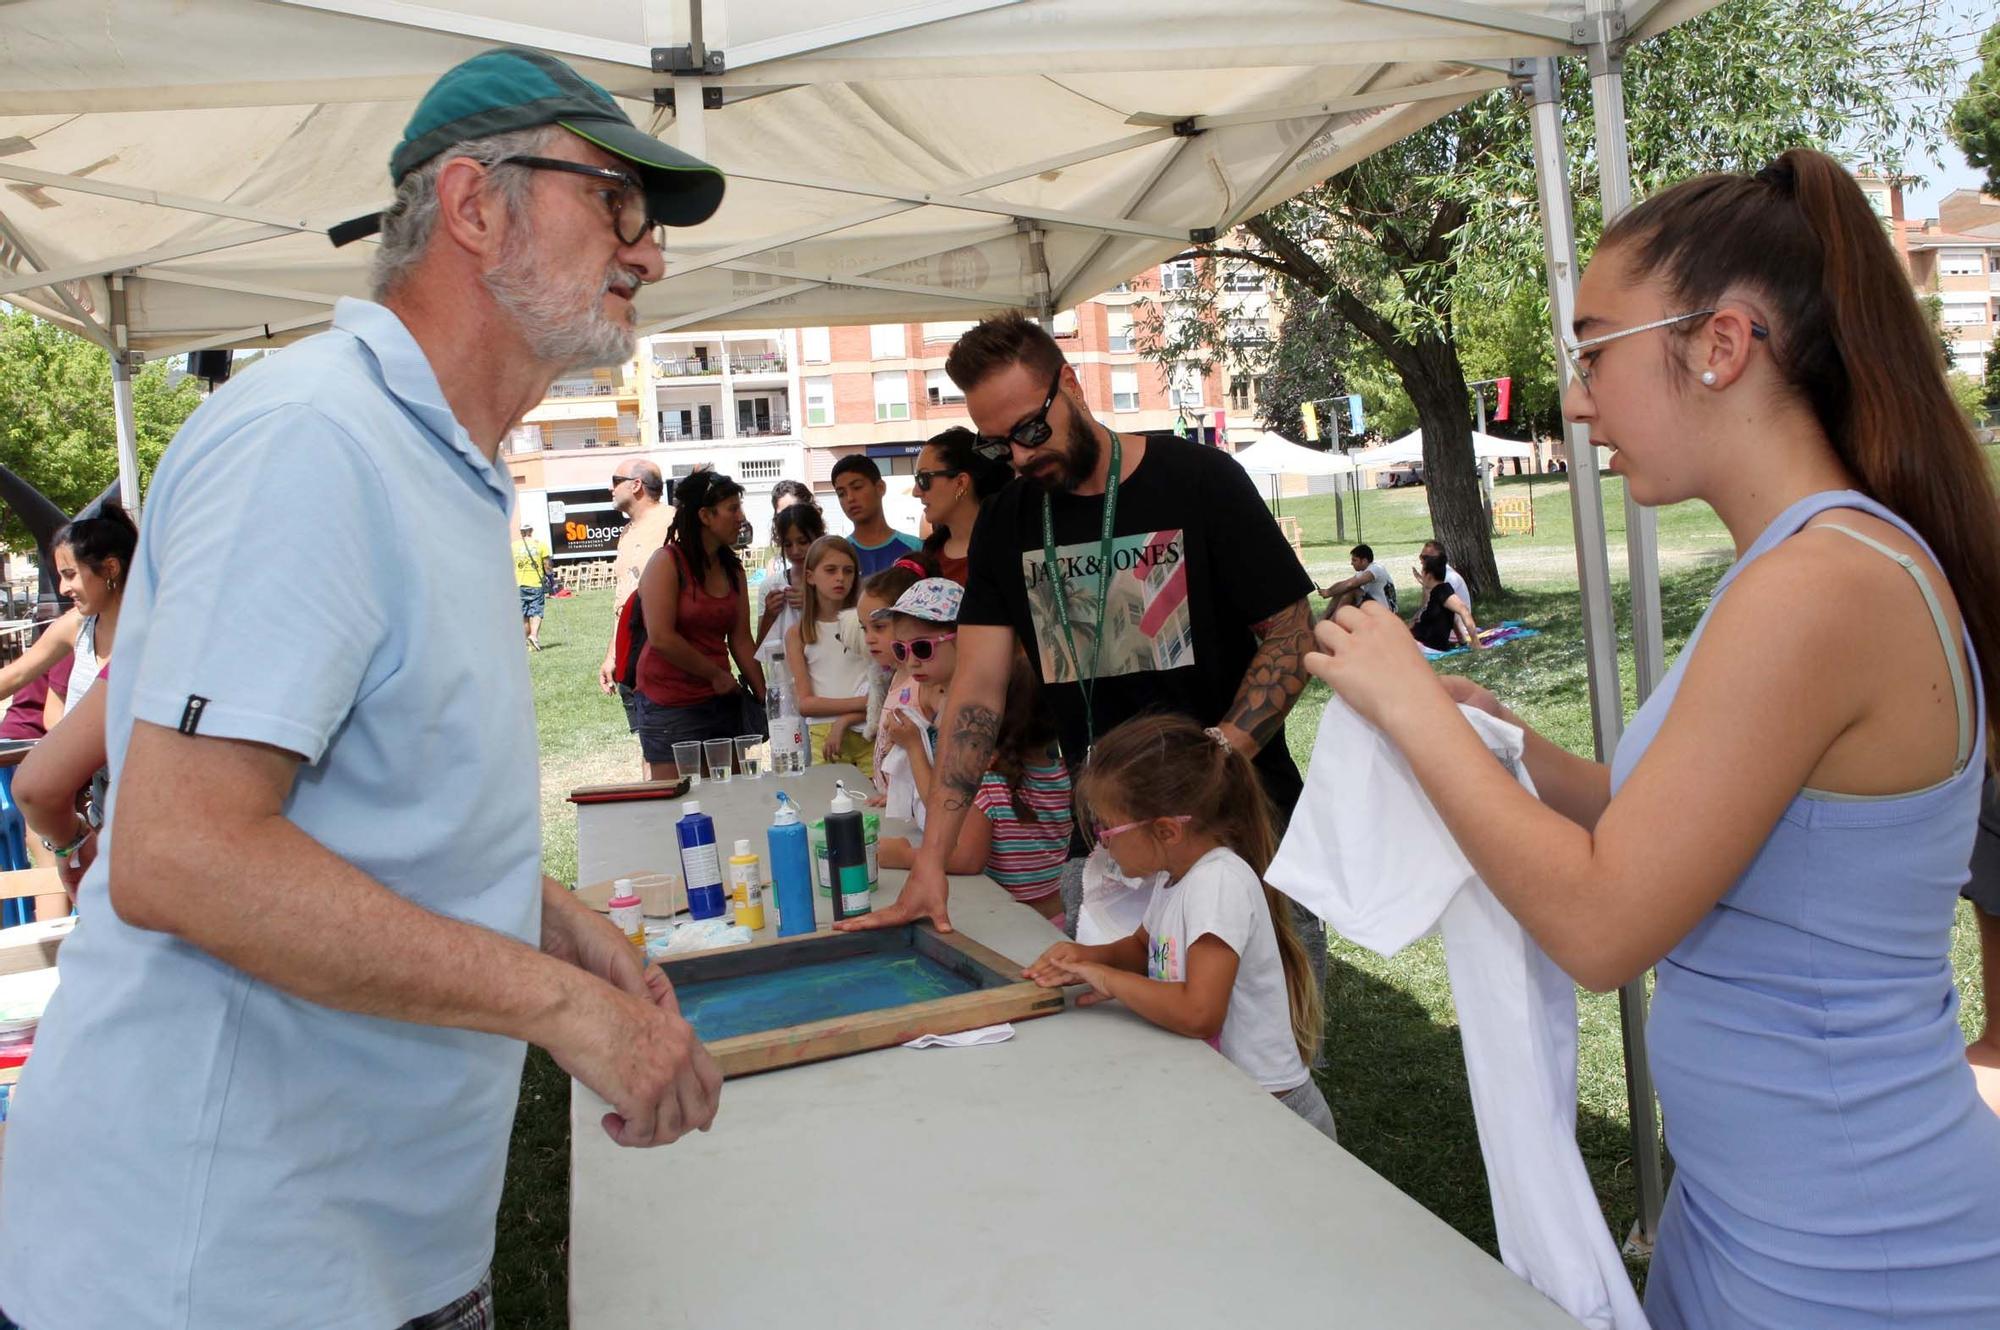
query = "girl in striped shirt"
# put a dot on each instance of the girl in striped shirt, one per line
(1022, 841)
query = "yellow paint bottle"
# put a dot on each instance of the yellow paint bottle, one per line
(746, 887)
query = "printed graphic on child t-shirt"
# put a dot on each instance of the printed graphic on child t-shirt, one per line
(1150, 626)
(1163, 961)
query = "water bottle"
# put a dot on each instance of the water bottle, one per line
(791, 870)
(701, 865)
(788, 733)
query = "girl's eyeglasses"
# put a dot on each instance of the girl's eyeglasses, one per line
(1573, 351)
(1102, 832)
(919, 649)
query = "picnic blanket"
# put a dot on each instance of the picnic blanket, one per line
(1508, 631)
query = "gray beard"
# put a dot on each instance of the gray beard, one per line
(564, 326)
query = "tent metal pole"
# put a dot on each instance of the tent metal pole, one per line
(121, 399)
(1595, 589)
(1614, 182)
(1606, 53)
(1593, 568)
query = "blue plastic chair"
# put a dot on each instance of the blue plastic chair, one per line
(13, 849)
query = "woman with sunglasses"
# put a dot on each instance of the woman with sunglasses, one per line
(1021, 838)
(953, 479)
(1785, 827)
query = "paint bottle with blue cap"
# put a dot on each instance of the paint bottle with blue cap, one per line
(701, 864)
(791, 870)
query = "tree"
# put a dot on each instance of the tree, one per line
(56, 425)
(1396, 244)
(1969, 393)
(1975, 118)
(1990, 397)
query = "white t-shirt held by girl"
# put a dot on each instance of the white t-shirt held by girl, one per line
(1221, 897)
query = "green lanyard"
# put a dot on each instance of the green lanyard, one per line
(1053, 568)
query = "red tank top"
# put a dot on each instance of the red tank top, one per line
(705, 621)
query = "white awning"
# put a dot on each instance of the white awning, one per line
(1276, 453)
(1410, 448)
(888, 161)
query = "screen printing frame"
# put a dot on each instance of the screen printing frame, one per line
(1000, 994)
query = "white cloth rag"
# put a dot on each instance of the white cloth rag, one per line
(1383, 870)
(1113, 905)
(985, 1034)
(899, 784)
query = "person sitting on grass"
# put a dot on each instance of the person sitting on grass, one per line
(1370, 582)
(1445, 611)
(1217, 957)
(1022, 839)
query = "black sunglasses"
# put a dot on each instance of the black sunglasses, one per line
(627, 204)
(924, 479)
(1030, 433)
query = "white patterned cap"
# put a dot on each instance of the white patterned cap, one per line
(934, 600)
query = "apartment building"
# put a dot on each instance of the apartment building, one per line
(1955, 257)
(788, 403)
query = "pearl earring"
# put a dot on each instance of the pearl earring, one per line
(1708, 377)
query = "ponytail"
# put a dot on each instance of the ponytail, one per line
(1167, 766)
(1849, 337)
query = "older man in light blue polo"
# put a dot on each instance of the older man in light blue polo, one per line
(276, 1085)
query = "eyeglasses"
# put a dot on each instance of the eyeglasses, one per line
(1030, 433)
(626, 203)
(919, 649)
(616, 481)
(1573, 351)
(1101, 832)
(924, 478)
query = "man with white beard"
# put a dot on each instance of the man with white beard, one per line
(277, 1083)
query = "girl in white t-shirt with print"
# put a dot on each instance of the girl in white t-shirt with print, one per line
(1216, 957)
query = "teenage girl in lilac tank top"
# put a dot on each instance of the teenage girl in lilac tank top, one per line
(1785, 827)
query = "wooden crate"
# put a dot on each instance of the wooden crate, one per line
(998, 994)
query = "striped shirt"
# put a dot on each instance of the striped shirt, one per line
(1027, 857)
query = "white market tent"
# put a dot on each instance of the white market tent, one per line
(1410, 448)
(171, 168)
(1275, 453)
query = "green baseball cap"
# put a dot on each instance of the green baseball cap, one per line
(512, 88)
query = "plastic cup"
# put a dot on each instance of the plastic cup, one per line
(721, 758)
(750, 755)
(687, 761)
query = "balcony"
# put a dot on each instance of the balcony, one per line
(772, 429)
(575, 388)
(684, 367)
(764, 362)
(698, 434)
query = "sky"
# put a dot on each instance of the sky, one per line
(1963, 21)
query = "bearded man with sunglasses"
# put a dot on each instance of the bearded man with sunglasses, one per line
(1140, 575)
(277, 1084)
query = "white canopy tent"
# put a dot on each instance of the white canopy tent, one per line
(171, 169)
(1410, 448)
(1273, 452)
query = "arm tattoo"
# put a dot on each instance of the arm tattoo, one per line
(967, 752)
(1276, 675)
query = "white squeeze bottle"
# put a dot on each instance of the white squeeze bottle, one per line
(626, 915)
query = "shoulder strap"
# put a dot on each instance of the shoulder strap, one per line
(1960, 693)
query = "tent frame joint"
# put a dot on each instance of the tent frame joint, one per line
(691, 61)
(1602, 35)
(1188, 128)
(1202, 235)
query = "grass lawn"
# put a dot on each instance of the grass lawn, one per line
(1396, 1076)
